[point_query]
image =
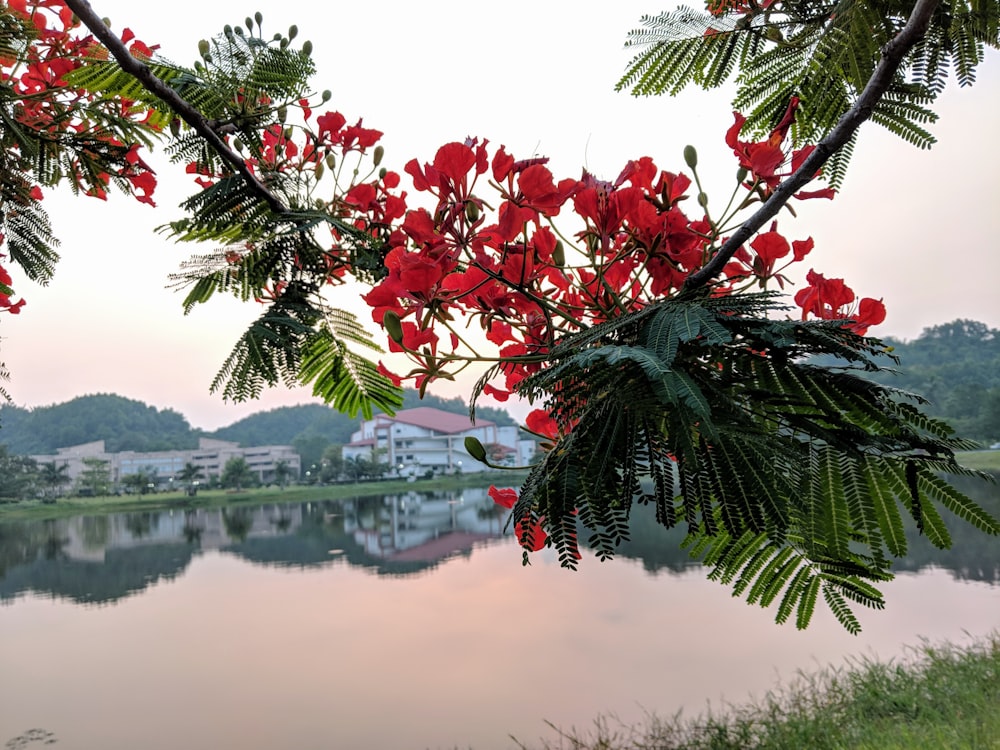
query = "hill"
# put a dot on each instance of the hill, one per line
(124, 424)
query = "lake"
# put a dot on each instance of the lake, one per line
(401, 622)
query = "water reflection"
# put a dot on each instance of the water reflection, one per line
(97, 559)
(397, 622)
(100, 559)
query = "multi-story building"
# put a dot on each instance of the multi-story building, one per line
(210, 456)
(421, 439)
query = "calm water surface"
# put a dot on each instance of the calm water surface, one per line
(399, 622)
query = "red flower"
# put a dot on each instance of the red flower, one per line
(540, 191)
(770, 247)
(531, 535)
(330, 124)
(505, 498)
(823, 297)
(801, 248)
(832, 299)
(364, 137)
(540, 423)
(870, 312)
(503, 164)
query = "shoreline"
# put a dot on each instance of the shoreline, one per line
(36, 510)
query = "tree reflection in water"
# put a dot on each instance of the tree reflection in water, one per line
(104, 558)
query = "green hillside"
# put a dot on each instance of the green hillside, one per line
(124, 424)
(957, 367)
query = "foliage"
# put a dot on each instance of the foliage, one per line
(190, 473)
(140, 482)
(935, 696)
(18, 476)
(822, 53)
(52, 476)
(237, 474)
(54, 131)
(956, 367)
(690, 394)
(643, 330)
(123, 424)
(282, 473)
(95, 479)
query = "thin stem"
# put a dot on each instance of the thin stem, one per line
(201, 125)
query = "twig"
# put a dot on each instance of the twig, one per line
(892, 57)
(141, 72)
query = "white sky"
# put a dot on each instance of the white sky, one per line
(917, 228)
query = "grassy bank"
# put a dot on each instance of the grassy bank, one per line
(934, 698)
(982, 460)
(71, 506)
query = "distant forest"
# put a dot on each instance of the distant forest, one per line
(128, 425)
(956, 367)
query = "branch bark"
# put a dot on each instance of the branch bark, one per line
(892, 57)
(201, 125)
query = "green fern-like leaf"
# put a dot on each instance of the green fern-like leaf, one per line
(823, 54)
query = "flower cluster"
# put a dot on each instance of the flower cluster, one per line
(6, 293)
(832, 299)
(512, 273)
(46, 104)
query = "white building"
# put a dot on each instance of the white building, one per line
(417, 440)
(210, 456)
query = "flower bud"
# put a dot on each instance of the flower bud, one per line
(238, 145)
(175, 127)
(471, 211)
(228, 31)
(326, 96)
(331, 161)
(293, 31)
(318, 170)
(393, 326)
(377, 156)
(475, 449)
(203, 48)
(559, 254)
(282, 112)
(289, 132)
(382, 173)
(307, 48)
(741, 174)
(249, 23)
(703, 200)
(691, 157)
(258, 18)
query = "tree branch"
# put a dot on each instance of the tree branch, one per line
(892, 57)
(141, 72)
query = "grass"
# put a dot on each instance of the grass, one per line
(72, 506)
(935, 697)
(982, 460)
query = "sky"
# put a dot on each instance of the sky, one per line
(916, 228)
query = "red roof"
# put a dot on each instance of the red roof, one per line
(356, 443)
(450, 543)
(434, 419)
